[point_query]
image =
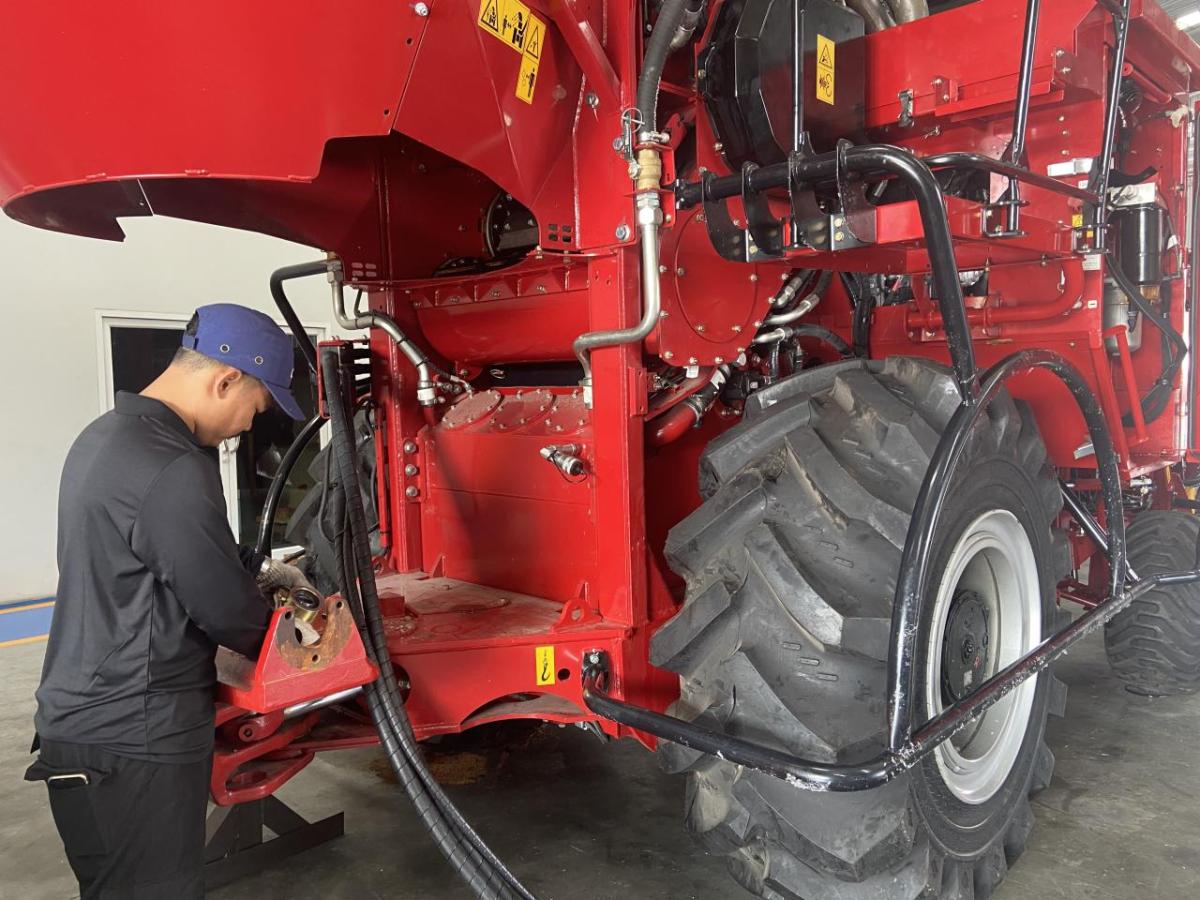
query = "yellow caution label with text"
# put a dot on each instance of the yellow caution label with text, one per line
(511, 22)
(825, 61)
(1077, 220)
(544, 657)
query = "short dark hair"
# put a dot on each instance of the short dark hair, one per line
(187, 358)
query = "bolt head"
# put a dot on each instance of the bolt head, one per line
(410, 470)
(412, 492)
(718, 146)
(592, 100)
(680, 272)
(410, 446)
(668, 355)
(622, 232)
(421, 9)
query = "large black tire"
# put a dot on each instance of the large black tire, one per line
(1153, 645)
(791, 567)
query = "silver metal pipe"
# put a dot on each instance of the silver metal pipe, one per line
(426, 388)
(772, 337)
(649, 218)
(802, 309)
(299, 709)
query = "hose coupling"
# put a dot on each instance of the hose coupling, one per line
(427, 393)
(649, 169)
(564, 457)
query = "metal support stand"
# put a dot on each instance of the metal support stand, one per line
(234, 844)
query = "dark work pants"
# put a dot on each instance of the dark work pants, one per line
(135, 830)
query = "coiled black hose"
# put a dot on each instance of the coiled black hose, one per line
(463, 848)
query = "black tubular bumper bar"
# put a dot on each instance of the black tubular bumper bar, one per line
(817, 776)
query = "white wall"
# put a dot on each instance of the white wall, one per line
(50, 288)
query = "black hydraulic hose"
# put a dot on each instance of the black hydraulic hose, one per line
(394, 731)
(287, 273)
(658, 48)
(1155, 400)
(820, 333)
(393, 728)
(486, 875)
(311, 427)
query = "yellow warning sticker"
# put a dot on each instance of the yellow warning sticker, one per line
(511, 21)
(527, 79)
(545, 664)
(1077, 220)
(825, 58)
(489, 17)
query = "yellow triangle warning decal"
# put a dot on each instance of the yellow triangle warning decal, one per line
(827, 55)
(533, 39)
(489, 16)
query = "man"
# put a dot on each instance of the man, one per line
(150, 582)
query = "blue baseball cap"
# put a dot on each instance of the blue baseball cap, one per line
(249, 341)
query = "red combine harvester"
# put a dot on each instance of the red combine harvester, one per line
(757, 379)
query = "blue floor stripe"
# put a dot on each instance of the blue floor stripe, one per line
(13, 604)
(25, 623)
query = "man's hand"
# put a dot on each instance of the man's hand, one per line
(275, 575)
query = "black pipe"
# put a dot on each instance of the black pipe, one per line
(278, 277)
(876, 158)
(912, 582)
(1089, 524)
(275, 491)
(1104, 166)
(658, 48)
(1016, 145)
(810, 775)
(689, 194)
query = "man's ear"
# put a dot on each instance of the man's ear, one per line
(228, 379)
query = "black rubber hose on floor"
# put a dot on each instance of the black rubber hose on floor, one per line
(463, 848)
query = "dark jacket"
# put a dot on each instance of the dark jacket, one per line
(150, 582)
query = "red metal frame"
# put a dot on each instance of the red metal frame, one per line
(382, 135)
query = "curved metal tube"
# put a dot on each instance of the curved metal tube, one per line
(649, 217)
(909, 10)
(875, 14)
(426, 388)
(807, 305)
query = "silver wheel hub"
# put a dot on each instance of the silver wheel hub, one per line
(987, 614)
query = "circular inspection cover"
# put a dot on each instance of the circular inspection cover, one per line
(471, 409)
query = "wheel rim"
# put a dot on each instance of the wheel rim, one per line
(987, 614)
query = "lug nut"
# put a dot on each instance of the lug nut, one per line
(410, 470)
(412, 492)
(410, 446)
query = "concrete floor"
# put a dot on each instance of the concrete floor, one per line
(575, 819)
